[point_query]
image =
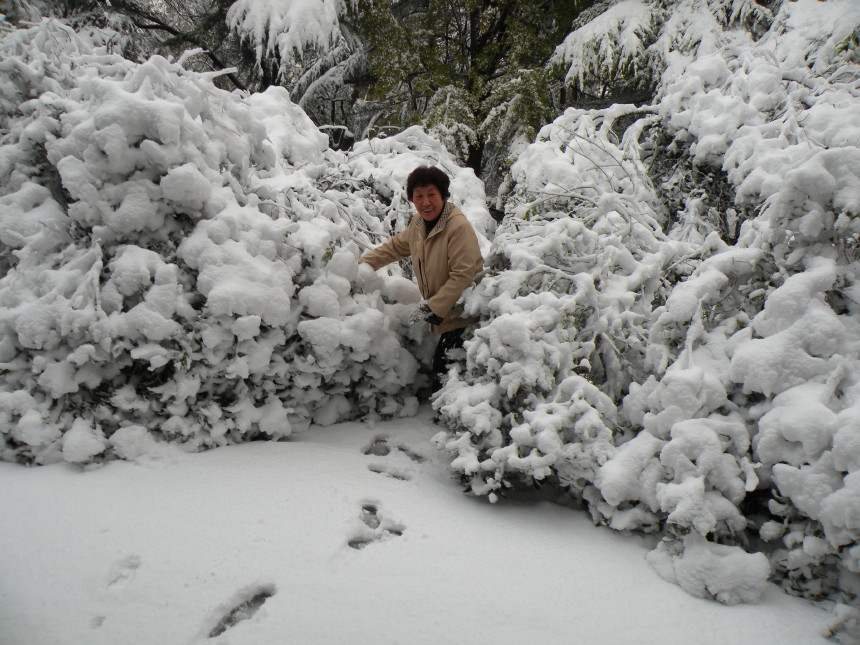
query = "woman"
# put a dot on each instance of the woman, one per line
(445, 258)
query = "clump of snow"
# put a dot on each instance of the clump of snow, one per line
(844, 626)
(137, 444)
(289, 129)
(709, 570)
(82, 442)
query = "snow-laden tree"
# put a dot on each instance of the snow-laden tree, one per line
(311, 47)
(138, 29)
(670, 327)
(621, 46)
(575, 269)
(609, 49)
(180, 262)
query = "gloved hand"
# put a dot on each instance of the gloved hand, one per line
(423, 312)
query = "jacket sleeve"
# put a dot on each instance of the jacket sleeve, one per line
(464, 263)
(393, 250)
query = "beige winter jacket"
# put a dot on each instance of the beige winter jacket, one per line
(444, 262)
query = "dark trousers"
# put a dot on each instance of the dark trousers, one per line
(449, 340)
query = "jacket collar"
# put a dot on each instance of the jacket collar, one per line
(447, 210)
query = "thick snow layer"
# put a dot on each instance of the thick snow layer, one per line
(348, 534)
(179, 263)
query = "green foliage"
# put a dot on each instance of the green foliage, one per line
(451, 118)
(520, 105)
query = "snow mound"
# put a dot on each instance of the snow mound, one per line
(708, 570)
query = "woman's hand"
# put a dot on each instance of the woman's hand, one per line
(423, 312)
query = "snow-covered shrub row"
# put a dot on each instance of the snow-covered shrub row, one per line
(180, 261)
(730, 413)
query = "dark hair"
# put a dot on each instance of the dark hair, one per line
(427, 176)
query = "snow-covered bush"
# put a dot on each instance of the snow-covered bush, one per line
(575, 269)
(770, 338)
(713, 333)
(181, 258)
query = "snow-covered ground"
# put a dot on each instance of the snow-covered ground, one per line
(355, 534)
(670, 328)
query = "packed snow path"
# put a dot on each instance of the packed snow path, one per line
(349, 534)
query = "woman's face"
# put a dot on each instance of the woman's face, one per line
(428, 201)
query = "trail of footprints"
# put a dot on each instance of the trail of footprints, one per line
(377, 527)
(247, 603)
(122, 573)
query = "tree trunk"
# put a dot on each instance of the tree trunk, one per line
(476, 157)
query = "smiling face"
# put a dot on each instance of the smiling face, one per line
(428, 201)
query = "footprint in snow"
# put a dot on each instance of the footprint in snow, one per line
(123, 571)
(381, 446)
(376, 527)
(245, 607)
